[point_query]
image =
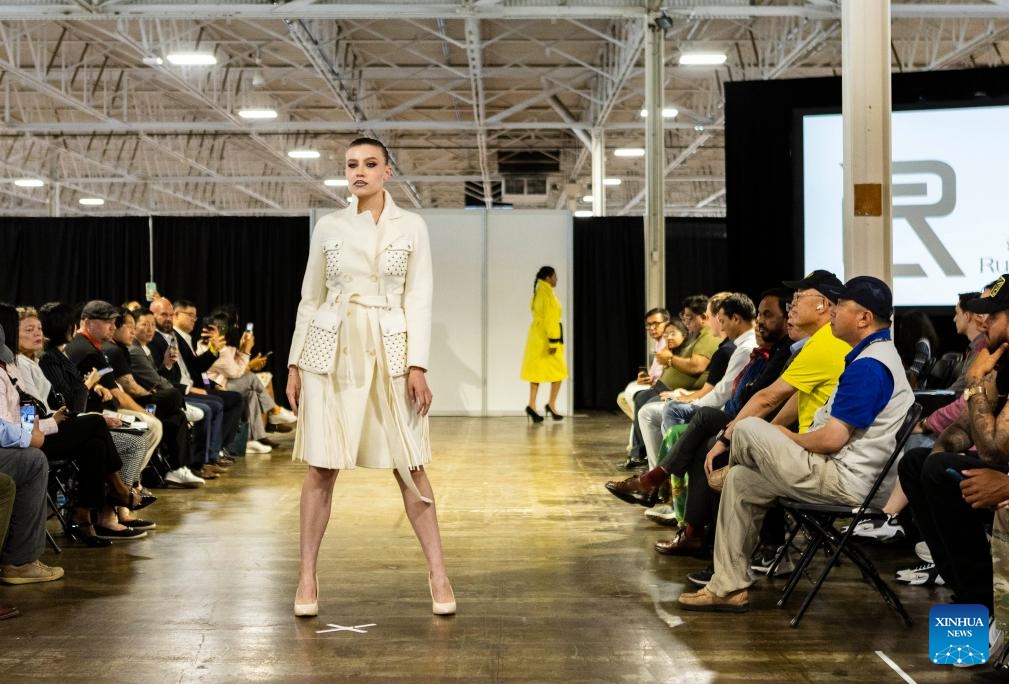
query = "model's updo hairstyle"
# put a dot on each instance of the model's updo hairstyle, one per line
(357, 142)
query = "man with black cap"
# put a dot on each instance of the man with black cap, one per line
(835, 461)
(952, 515)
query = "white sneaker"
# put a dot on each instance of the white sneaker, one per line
(663, 515)
(881, 529)
(282, 417)
(925, 574)
(184, 477)
(922, 551)
(194, 414)
(254, 447)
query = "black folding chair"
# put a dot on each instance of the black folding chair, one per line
(818, 521)
(60, 474)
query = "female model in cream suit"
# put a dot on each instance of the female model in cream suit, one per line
(357, 364)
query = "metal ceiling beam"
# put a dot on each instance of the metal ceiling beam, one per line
(72, 11)
(473, 57)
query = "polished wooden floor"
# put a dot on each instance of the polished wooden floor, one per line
(556, 582)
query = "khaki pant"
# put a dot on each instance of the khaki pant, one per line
(765, 466)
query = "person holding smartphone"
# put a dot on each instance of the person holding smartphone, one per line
(232, 371)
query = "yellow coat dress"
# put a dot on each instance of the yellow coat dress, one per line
(538, 364)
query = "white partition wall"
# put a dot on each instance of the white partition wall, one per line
(518, 243)
(457, 323)
(484, 266)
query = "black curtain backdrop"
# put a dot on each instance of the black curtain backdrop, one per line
(609, 294)
(762, 157)
(255, 264)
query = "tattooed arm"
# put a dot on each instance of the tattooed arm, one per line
(990, 432)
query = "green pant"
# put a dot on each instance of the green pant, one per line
(678, 498)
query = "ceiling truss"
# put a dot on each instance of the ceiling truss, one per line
(449, 86)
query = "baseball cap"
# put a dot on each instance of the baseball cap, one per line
(99, 310)
(824, 282)
(997, 298)
(870, 292)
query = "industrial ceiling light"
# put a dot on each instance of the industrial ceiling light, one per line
(583, 213)
(702, 58)
(303, 154)
(153, 61)
(91, 201)
(629, 152)
(29, 183)
(612, 181)
(667, 112)
(257, 113)
(336, 182)
(587, 198)
(191, 58)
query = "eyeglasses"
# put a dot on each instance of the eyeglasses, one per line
(687, 318)
(654, 324)
(795, 299)
(190, 314)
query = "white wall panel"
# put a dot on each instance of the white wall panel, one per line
(518, 243)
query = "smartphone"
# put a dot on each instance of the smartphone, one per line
(151, 408)
(956, 474)
(248, 327)
(28, 416)
(104, 371)
(150, 290)
(642, 369)
(171, 342)
(267, 354)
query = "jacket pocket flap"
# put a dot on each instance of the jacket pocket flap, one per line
(327, 319)
(401, 244)
(393, 322)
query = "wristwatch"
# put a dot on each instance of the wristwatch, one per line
(972, 391)
(720, 437)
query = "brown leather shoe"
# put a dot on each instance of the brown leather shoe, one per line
(214, 468)
(683, 544)
(278, 428)
(8, 612)
(633, 491)
(205, 472)
(702, 599)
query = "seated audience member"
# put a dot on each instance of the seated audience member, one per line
(953, 530)
(687, 368)
(916, 342)
(222, 409)
(687, 455)
(7, 492)
(655, 324)
(85, 351)
(147, 376)
(231, 371)
(674, 336)
(924, 435)
(800, 391)
(835, 461)
(83, 439)
(22, 462)
(734, 317)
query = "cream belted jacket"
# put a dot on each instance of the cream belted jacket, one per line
(341, 261)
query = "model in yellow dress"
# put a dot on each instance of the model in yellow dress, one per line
(543, 360)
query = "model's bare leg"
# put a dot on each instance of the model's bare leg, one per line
(533, 390)
(424, 520)
(316, 504)
(555, 390)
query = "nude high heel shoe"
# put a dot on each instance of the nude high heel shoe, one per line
(446, 608)
(308, 609)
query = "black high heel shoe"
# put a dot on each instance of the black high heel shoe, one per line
(553, 414)
(76, 532)
(533, 416)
